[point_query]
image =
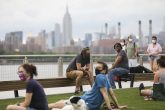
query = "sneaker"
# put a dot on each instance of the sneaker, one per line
(141, 87)
(76, 92)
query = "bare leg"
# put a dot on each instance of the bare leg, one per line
(15, 107)
(79, 75)
(146, 92)
(60, 104)
(76, 74)
(91, 79)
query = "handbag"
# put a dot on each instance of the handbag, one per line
(158, 92)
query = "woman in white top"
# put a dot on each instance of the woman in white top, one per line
(153, 50)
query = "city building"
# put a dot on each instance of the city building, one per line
(42, 36)
(58, 40)
(67, 28)
(13, 41)
(88, 39)
(50, 41)
(31, 45)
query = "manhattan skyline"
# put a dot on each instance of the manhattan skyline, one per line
(87, 16)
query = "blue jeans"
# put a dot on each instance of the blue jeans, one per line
(113, 73)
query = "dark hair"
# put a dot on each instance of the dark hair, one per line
(105, 66)
(31, 69)
(161, 61)
(154, 37)
(117, 44)
(84, 50)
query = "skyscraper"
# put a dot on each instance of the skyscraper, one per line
(58, 37)
(13, 41)
(67, 28)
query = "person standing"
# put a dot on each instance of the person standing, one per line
(79, 67)
(132, 52)
(153, 50)
(123, 44)
(120, 66)
(35, 98)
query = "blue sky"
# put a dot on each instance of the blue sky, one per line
(88, 16)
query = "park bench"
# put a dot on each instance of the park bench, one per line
(134, 77)
(64, 82)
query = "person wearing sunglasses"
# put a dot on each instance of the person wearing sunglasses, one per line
(35, 98)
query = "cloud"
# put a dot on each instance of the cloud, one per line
(87, 15)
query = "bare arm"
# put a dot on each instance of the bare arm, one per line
(79, 66)
(111, 93)
(117, 61)
(27, 100)
(105, 96)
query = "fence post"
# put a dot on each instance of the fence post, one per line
(25, 60)
(60, 67)
(141, 60)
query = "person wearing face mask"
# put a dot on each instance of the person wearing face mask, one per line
(123, 44)
(99, 93)
(153, 50)
(132, 52)
(35, 98)
(120, 66)
(79, 67)
(159, 79)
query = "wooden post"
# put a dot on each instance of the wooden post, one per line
(60, 67)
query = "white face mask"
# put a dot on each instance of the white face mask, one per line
(154, 41)
(122, 43)
(130, 40)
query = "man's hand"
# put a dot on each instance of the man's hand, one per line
(122, 107)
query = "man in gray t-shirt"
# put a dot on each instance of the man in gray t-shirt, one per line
(120, 66)
(79, 67)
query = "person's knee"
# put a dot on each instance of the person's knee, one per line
(9, 107)
(80, 74)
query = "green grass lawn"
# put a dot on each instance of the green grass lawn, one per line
(129, 97)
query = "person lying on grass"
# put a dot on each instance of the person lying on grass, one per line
(99, 93)
(159, 78)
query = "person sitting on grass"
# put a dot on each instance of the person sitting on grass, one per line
(98, 94)
(159, 78)
(35, 98)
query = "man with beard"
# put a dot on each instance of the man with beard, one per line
(79, 67)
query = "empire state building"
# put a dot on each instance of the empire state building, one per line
(67, 28)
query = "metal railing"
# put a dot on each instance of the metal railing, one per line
(48, 66)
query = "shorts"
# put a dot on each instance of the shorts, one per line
(153, 58)
(72, 74)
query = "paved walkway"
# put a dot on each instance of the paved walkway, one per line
(61, 90)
